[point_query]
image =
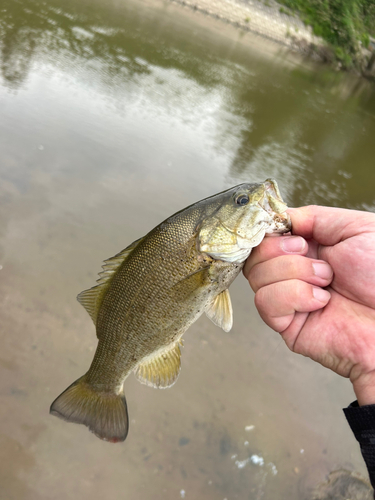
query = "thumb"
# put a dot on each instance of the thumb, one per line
(328, 225)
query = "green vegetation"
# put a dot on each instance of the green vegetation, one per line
(345, 24)
(284, 11)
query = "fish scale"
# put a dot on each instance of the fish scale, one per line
(150, 293)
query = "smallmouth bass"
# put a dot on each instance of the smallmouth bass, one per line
(150, 293)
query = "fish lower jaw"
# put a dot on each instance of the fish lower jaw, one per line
(281, 224)
(239, 256)
(239, 252)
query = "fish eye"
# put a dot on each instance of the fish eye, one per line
(242, 200)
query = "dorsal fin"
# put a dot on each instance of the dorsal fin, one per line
(161, 369)
(220, 311)
(91, 299)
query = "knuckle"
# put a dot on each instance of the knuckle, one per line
(260, 299)
(252, 277)
(295, 265)
(269, 248)
(299, 289)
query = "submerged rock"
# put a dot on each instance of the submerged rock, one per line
(343, 485)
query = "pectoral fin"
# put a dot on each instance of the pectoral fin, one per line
(220, 311)
(162, 369)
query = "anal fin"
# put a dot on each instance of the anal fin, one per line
(220, 311)
(162, 369)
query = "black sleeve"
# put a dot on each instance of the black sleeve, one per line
(362, 422)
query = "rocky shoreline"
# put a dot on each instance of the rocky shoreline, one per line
(270, 20)
(267, 19)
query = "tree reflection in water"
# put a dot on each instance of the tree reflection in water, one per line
(284, 121)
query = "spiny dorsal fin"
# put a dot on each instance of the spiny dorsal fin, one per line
(162, 369)
(91, 299)
(220, 311)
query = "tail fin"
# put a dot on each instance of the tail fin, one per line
(104, 413)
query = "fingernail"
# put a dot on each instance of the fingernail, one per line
(322, 270)
(321, 295)
(293, 244)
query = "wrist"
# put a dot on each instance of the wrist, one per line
(364, 388)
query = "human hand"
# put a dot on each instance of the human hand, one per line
(317, 288)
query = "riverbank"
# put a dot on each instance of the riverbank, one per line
(279, 24)
(267, 19)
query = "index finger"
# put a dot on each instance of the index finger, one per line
(272, 247)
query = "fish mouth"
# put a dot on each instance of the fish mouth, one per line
(272, 203)
(276, 220)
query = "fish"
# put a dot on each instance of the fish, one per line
(151, 292)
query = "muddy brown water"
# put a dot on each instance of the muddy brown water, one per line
(114, 115)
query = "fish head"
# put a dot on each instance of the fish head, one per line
(239, 223)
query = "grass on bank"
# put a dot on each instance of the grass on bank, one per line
(345, 24)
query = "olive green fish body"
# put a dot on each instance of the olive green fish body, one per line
(158, 292)
(149, 294)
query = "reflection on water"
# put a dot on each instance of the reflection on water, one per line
(307, 128)
(112, 117)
